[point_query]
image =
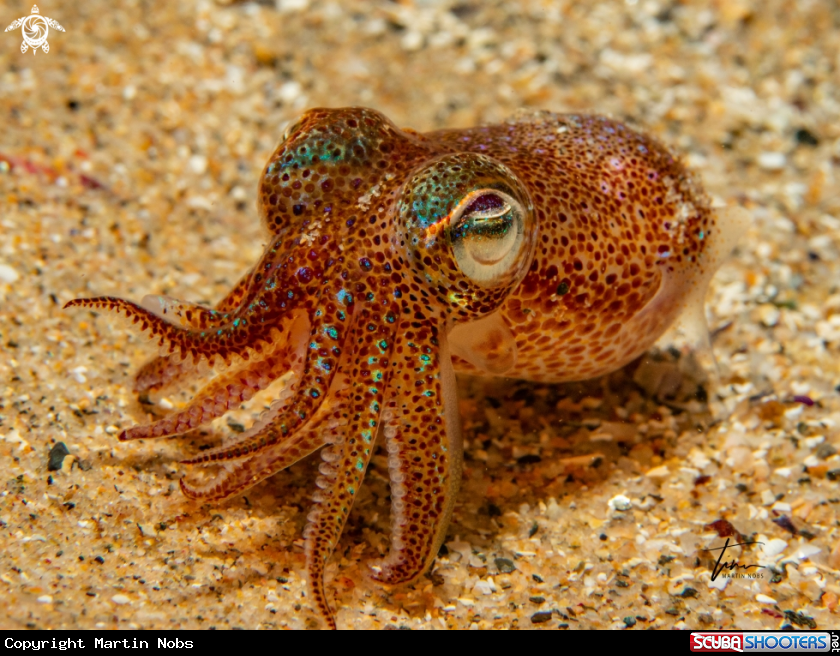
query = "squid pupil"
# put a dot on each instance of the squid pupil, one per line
(484, 203)
(485, 227)
(488, 216)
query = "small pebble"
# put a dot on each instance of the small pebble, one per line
(723, 527)
(825, 451)
(78, 374)
(806, 137)
(620, 502)
(289, 92)
(235, 426)
(8, 274)
(806, 551)
(800, 619)
(785, 523)
(540, 617)
(769, 314)
(767, 497)
(772, 161)
(58, 452)
(764, 599)
(412, 41)
(485, 586)
(658, 472)
(120, 599)
(774, 547)
(198, 164)
(291, 5)
(505, 566)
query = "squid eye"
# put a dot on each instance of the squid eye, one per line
(487, 235)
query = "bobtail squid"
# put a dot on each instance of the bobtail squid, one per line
(549, 247)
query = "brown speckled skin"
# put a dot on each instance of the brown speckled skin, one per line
(610, 202)
(360, 296)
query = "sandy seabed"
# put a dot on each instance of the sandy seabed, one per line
(129, 157)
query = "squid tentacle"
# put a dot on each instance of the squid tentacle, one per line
(321, 430)
(189, 330)
(185, 343)
(230, 390)
(190, 316)
(330, 327)
(345, 462)
(258, 467)
(166, 333)
(265, 433)
(256, 436)
(244, 448)
(423, 441)
(163, 371)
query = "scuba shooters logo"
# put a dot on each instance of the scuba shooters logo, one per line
(717, 642)
(764, 641)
